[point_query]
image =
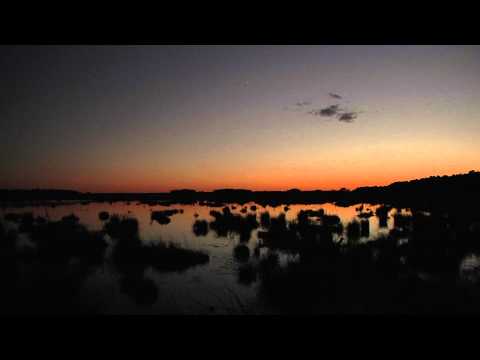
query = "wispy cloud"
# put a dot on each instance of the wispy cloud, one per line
(335, 111)
(335, 96)
(329, 111)
(347, 117)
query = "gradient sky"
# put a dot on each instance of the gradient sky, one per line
(156, 118)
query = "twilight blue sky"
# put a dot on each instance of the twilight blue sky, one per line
(155, 118)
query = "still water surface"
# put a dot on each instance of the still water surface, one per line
(212, 288)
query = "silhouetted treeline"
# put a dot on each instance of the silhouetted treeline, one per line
(435, 191)
(439, 192)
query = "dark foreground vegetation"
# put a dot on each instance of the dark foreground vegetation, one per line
(226, 224)
(326, 268)
(46, 276)
(415, 268)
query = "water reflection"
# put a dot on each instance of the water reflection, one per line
(193, 258)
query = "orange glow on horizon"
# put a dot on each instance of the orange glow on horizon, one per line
(256, 183)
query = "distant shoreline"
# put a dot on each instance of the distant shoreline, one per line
(435, 191)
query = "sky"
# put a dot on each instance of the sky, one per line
(158, 118)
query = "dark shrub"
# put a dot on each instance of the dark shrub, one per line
(226, 223)
(365, 215)
(121, 227)
(64, 239)
(330, 220)
(265, 219)
(163, 217)
(103, 215)
(402, 221)
(247, 274)
(353, 229)
(241, 253)
(382, 214)
(200, 228)
(365, 227)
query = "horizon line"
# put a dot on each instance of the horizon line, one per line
(232, 188)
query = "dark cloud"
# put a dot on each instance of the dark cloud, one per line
(329, 111)
(335, 111)
(335, 96)
(347, 117)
